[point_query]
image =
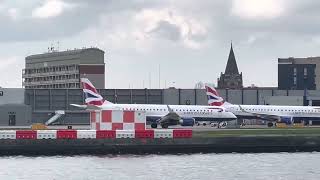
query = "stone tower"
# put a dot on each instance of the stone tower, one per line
(231, 78)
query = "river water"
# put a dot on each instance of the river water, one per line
(186, 166)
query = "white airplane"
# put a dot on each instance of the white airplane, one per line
(271, 113)
(165, 115)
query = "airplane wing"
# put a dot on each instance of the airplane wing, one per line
(269, 117)
(79, 106)
(172, 118)
(87, 107)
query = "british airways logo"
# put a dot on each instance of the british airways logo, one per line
(91, 94)
(213, 98)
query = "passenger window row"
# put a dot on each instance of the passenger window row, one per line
(181, 110)
(286, 110)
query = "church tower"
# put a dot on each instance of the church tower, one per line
(231, 78)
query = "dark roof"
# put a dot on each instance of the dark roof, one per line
(62, 53)
(232, 67)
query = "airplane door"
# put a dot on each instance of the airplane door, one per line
(12, 119)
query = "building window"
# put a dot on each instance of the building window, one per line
(12, 119)
(305, 71)
(294, 71)
(295, 81)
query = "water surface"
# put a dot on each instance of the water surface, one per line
(194, 166)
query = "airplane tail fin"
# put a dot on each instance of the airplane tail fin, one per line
(214, 99)
(92, 97)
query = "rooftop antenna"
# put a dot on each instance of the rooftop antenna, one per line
(58, 43)
(149, 80)
(159, 76)
(51, 48)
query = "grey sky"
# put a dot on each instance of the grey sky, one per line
(190, 40)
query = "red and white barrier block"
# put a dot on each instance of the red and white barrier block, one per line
(118, 120)
(46, 134)
(8, 134)
(96, 134)
(163, 133)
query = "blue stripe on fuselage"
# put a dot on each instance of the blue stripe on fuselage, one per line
(155, 118)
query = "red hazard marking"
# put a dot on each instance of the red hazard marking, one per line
(26, 134)
(128, 116)
(66, 134)
(139, 126)
(106, 116)
(144, 134)
(116, 126)
(182, 133)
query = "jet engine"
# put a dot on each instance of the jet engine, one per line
(286, 120)
(187, 122)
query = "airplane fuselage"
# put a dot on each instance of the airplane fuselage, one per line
(302, 112)
(155, 111)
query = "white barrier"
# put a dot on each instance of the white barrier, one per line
(8, 134)
(92, 134)
(86, 134)
(125, 134)
(46, 134)
(163, 133)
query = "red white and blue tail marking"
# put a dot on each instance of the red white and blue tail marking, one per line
(91, 94)
(213, 97)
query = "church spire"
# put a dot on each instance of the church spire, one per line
(232, 67)
(231, 78)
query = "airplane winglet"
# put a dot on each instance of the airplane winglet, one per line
(170, 109)
(242, 109)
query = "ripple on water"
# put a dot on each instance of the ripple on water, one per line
(185, 166)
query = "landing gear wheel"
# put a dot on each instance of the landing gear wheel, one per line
(270, 124)
(154, 125)
(165, 126)
(222, 124)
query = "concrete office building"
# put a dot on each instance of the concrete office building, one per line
(299, 73)
(64, 69)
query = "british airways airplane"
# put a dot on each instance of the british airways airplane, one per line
(164, 115)
(284, 114)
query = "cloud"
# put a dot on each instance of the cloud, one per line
(50, 8)
(147, 30)
(10, 12)
(13, 13)
(257, 9)
(173, 25)
(11, 68)
(165, 32)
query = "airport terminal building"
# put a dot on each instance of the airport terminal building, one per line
(27, 106)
